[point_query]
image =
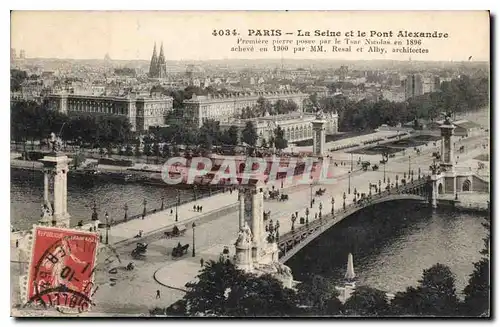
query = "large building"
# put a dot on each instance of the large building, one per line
(413, 85)
(297, 126)
(158, 66)
(141, 111)
(224, 107)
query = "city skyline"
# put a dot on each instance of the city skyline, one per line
(131, 35)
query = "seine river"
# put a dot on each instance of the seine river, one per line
(391, 244)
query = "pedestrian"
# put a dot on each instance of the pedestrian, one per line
(17, 245)
(194, 208)
(158, 294)
(202, 262)
(171, 212)
(201, 208)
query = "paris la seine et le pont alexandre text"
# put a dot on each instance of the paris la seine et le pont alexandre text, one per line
(329, 33)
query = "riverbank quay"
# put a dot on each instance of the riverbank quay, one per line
(467, 202)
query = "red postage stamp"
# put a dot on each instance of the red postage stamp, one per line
(62, 268)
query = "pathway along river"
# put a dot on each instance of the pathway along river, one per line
(391, 243)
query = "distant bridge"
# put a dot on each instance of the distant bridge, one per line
(293, 241)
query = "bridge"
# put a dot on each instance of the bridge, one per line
(292, 242)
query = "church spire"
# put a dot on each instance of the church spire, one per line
(162, 66)
(153, 67)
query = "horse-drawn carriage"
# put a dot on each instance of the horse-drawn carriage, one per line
(320, 192)
(436, 155)
(140, 250)
(180, 250)
(365, 165)
(175, 231)
(274, 194)
(283, 197)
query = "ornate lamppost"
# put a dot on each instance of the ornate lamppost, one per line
(307, 216)
(277, 229)
(193, 226)
(397, 178)
(177, 206)
(379, 186)
(343, 205)
(125, 208)
(162, 202)
(144, 210)
(95, 216)
(333, 206)
(106, 216)
(311, 197)
(320, 207)
(293, 222)
(409, 166)
(418, 172)
(349, 185)
(384, 169)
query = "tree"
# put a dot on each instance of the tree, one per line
(147, 148)
(367, 301)
(263, 106)
(249, 134)
(224, 290)
(434, 296)
(166, 151)
(208, 295)
(320, 296)
(261, 296)
(279, 139)
(129, 151)
(232, 135)
(264, 143)
(477, 291)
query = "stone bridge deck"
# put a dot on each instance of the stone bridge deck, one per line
(292, 242)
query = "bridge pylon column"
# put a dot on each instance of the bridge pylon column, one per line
(434, 189)
(319, 134)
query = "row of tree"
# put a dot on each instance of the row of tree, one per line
(31, 121)
(264, 106)
(223, 290)
(458, 95)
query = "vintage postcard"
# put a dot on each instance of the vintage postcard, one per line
(250, 164)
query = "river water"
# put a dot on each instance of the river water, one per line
(391, 243)
(27, 196)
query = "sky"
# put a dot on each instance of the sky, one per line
(130, 35)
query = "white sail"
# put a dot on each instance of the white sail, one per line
(350, 275)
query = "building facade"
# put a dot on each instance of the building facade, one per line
(297, 126)
(142, 112)
(225, 108)
(413, 85)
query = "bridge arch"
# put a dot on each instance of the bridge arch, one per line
(292, 242)
(466, 186)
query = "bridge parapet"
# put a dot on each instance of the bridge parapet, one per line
(291, 242)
